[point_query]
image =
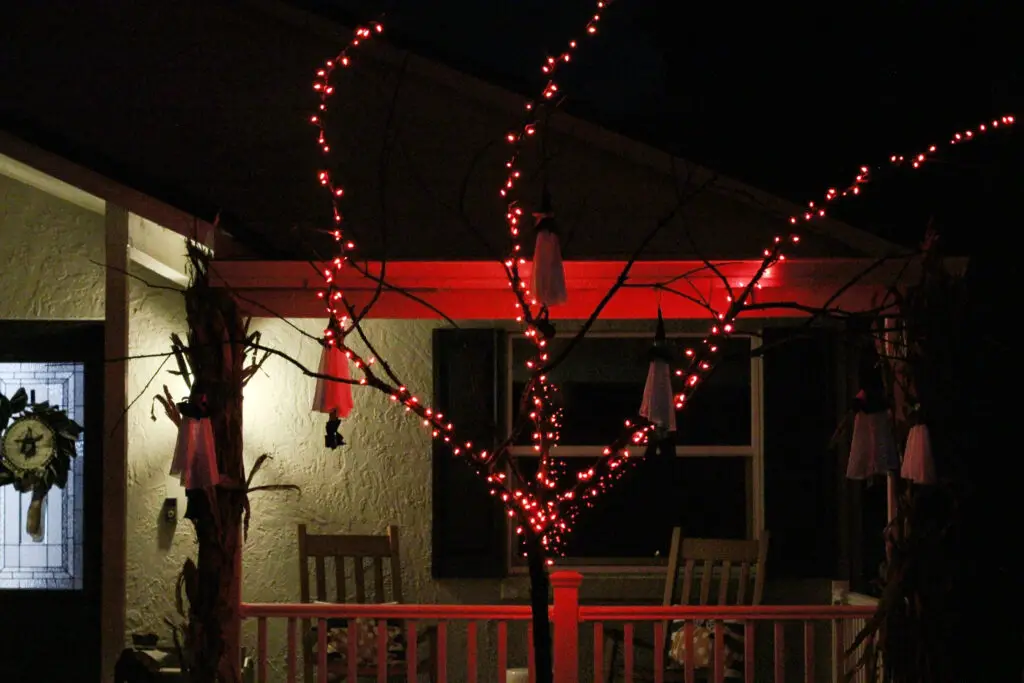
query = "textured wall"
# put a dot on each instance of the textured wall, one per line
(381, 477)
(43, 235)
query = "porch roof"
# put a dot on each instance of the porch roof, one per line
(474, 290)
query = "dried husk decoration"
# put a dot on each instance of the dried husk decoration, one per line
(913, 636)
(208, 591)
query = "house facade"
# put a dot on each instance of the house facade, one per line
(91, 241)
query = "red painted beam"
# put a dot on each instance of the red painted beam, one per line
(479, 290)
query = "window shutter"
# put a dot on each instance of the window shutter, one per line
(801, 481)
(469, 532)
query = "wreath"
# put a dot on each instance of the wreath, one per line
(37, 443)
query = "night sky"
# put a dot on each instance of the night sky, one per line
(789, 97)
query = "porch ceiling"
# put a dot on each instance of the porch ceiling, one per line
(473, 290)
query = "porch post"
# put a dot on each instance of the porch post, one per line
(115, 440)
(566, 639)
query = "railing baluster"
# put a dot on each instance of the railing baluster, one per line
(627, 650)
(808, 652)
(441, 653)
(688, 653)
(261, 650)
(839, 650)
(749, 629)
(382, 650)
(321, 650)
(718, 671)
(471, 662)
(502, 651)
(410, 650)
(531, 665)
(780, 652)
(725, 620)
(352, 651)
(293, 669)
(659, 652)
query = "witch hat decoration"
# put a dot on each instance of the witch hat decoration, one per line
(548, 274)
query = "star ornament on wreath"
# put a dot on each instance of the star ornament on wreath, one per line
(37, 443)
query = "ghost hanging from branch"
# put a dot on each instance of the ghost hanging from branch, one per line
(332, 397)
(658, 405)
(195, 453)
(548, 274)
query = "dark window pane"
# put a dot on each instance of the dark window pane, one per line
(602, 384)
(707, 496)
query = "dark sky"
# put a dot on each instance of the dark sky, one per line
(791, 97)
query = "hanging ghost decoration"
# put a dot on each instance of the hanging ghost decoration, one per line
(918, 463)
(658, 405)
(873, 446)
(195, 453)
(548, 274)
(330, 397)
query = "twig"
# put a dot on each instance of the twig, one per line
(151, 285)
(131, 403)
(623, 277)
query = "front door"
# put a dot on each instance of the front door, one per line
(50, 551)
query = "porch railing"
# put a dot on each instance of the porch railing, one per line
(776, 624)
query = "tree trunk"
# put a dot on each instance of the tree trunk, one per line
(216, 350)
(539, 594)
(214, 612)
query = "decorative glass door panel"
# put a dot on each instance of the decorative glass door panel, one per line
(50, 559)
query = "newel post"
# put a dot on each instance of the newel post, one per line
(566, 618)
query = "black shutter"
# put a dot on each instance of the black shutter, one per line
(469, 528)
(801, 484)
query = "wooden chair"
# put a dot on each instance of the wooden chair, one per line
(358, 549)
(709, 554)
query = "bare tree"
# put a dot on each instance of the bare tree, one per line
(221, 355)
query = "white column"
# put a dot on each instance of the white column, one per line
(115, 440)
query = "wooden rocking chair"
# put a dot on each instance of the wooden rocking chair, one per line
(711, 554)
(378, 550)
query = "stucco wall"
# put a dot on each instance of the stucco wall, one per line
(49, 249)
(381, 477)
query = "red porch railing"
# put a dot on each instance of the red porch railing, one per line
(570, 621)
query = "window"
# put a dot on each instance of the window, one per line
(54, 561)
(711, 488)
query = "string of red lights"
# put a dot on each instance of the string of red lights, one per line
(541, 394)
(702, 359)
(552, 517)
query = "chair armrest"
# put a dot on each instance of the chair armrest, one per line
(619, 637)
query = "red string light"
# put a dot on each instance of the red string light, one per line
(701, 361)
(552, 517)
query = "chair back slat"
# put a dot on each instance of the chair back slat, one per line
(340, 588)
(345, 552)
(723, 583)
(715, 559)
(321, 577)
(352, 557)
(741, 589)
(684, 597)
(359, 572)
(378, 575)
